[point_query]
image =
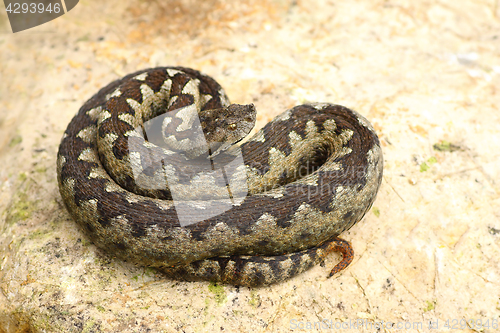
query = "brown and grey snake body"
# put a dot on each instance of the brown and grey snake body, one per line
(309, 175)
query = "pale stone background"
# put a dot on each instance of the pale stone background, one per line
(423, 72)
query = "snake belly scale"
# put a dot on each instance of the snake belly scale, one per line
(312, 173)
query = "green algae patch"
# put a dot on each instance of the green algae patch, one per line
(20, 209)
(89, 326)
(218, 291)
(22, 176)
(430, 306)
(427, 164)
(41, 169)
(254, 300)
(15, 141)
(446, 146)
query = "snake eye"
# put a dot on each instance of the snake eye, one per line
(232, 127)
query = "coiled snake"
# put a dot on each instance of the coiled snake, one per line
(132, 172)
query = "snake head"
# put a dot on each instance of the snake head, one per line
(226, 126)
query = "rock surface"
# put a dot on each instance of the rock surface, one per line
(426, 74)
